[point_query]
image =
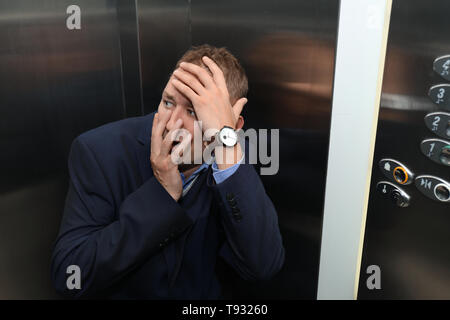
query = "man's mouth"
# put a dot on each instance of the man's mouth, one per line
(174, 144)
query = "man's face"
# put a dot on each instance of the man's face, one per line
(181, 108)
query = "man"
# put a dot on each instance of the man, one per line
(138, 225)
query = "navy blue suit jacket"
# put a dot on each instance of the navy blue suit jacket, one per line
(130, 239)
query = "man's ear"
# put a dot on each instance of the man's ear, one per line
(240, 123)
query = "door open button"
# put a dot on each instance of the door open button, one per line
(434, 187)
(442, 192)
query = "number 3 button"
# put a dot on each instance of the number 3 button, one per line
(440, 95)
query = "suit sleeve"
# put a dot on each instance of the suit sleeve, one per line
(103, 247)
(253, 245)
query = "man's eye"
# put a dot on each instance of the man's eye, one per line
(168, 103)
(192, 113)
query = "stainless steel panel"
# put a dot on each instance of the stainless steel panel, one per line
(410, 245)
(164, 35)
(55, 84)
(130, 57)
(287, 49)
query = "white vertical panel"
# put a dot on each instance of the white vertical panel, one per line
(361, 48)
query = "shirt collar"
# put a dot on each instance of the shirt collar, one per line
(204, 166)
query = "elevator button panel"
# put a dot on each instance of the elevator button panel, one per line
(395, 194)
(440, 95)
(433, 187)
(442, 66)
(437, 150)
(439, 123)
(396, 171)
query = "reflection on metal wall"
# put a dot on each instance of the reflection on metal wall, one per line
(408, 238)
(287, 48)
(164, 35)
(55, 84)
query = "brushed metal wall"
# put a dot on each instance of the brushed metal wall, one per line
(55, 83)
(410, 245)
(164, 35)
(287, 49)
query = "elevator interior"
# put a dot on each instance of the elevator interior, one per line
(56, 83)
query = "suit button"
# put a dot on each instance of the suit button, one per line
(161, 245)
(230, 196)
(237, 217)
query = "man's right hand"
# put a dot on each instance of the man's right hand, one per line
(164, 169)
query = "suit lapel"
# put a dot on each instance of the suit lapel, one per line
(144, 137)
(176, 252)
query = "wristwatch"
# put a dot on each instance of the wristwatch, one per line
(227, 136)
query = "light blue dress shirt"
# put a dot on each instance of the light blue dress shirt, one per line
(219, 175)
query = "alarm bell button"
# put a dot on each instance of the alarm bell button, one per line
(395, 194)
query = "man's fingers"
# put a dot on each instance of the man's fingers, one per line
(185, 90)
(154, 137)
(155, 122)
(216, 72)
(162, 121)
(158, 129)
(170, 138)
(190, 80)
(238, 106)
(202, 74)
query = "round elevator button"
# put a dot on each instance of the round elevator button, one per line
(400, 175)
(444, 157)
(442, 192)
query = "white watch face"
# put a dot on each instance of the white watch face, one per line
(228, 137)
